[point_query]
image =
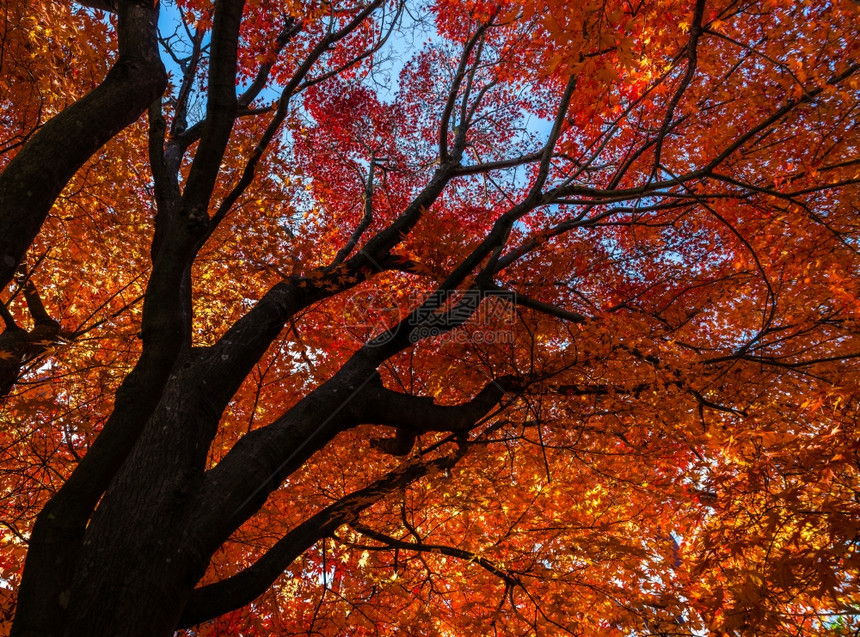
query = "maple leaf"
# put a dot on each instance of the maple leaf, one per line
(468, 317)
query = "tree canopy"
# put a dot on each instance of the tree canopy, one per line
(445, 317)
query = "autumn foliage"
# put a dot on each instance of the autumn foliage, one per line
(445, 318)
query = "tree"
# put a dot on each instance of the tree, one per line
(557, 335)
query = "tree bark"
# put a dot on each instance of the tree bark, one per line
(28, 188)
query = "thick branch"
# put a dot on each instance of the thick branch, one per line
(540, 306)
(28, 188)
(102, 5)
(290, 30)
(44, 165)
(221, 107)
(280, 114)
(241, 589)
(382, 406)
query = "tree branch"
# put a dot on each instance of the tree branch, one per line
(34, 178)
(421, 547)
(241, 589)
(382, 406)
(221, 108)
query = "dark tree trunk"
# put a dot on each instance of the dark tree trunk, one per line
(28, 187)
(129, 566)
